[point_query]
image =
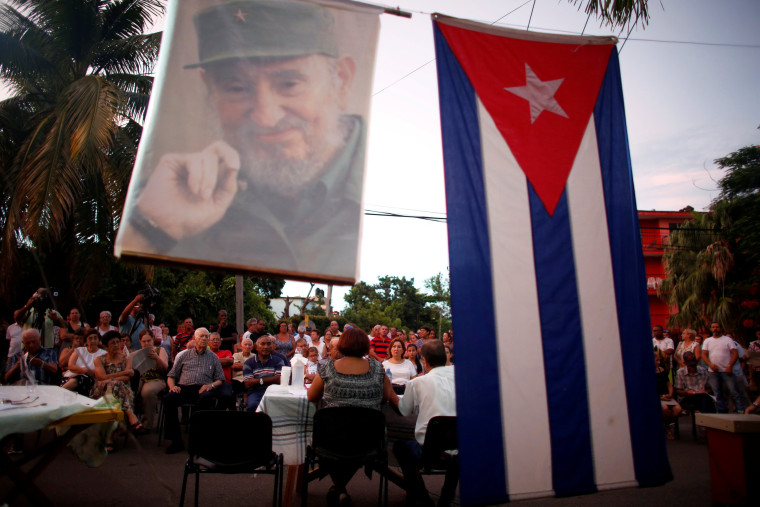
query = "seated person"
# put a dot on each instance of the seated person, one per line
(77, 340)
(302, 348)
(82, 364)
(670, 407)
(413, 355)
(194, 378)
(238, 360)
(312, 365)
(224, 393)
(429, 395)
(401, 370)
(261, 371)
(351, 381)
(152, 381)
(36, 363)
(691, 381)
(113, 371)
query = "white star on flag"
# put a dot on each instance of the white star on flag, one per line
(240, 15)
(539, 93)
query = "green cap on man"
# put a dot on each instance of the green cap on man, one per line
(247, 29)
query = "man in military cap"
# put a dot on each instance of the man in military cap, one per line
(285, 174)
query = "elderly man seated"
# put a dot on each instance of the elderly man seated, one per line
(36, 363)
(428, 396)
(261, 371)
(194, 378)
(690, 385)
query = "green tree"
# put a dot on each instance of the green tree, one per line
(200, 295)
(79, 74)
(394, 301)
(713, 267)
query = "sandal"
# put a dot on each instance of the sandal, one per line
(138, 429)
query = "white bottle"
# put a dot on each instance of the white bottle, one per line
(298, 368)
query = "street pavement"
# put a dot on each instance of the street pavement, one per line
(140, 474)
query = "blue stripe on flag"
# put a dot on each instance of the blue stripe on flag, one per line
(562, 337)
(481, 450)
(647, 439)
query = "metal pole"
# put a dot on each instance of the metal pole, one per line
(328, 306)
(240, 317)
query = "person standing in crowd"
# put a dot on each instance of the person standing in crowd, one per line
(285, 343)
(104, 323)
(73, 322)
(185, 333)
(688, 343)
(227, 332)
(378, 346)
(720, 354)
(131, 323)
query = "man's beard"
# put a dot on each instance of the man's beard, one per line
(269, 169)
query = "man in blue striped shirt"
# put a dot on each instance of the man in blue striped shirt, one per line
(261, 371)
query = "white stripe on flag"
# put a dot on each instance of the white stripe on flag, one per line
(610, 432)
(525, 416)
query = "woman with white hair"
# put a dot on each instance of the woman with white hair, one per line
(104, 323)
(239, 359)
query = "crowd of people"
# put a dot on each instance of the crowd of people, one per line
(704, 374)
(216, 368)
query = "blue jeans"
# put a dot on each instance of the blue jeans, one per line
(717, 379)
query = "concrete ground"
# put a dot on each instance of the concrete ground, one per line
(141, 474)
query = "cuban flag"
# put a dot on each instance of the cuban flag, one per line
(555, 375)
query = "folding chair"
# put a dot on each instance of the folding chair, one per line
(347, 437)
(215, 446)
(439, 455)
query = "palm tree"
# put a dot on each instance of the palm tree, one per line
(698, 266)
(79, 74)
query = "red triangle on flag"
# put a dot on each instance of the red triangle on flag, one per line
(540, 95)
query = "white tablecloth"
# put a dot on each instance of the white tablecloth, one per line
(292, 418)
(52, 403)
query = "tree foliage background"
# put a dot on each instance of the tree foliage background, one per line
(713, 267)
(397, 302)
(79, 76)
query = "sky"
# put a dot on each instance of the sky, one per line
(690, 80)
(687, 103)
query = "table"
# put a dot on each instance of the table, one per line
(47, 407)
(292, 425)
(734, 444)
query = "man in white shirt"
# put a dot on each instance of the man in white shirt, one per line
(719, 354)
(428, 396)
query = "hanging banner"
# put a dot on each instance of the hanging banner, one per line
(546, 265)
(252, 155)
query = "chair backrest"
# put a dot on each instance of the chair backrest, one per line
(440, 436)
(349, 432)
(230, 437)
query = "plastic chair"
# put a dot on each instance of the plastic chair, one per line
(215, 446)
(440, 456)
(347, 437)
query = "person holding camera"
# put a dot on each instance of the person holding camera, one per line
(38, 313)
(132, 322)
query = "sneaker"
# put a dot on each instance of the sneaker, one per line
(175, 447)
